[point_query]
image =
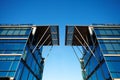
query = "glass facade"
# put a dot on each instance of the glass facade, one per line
(21, 51)
(101, 50)
(109, 41)
(12, 43)
(16, 59)
(104, 64)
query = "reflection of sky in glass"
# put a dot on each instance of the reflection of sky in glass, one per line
(10, 63)
(61, 64)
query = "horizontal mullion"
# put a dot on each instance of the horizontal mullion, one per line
(113, 60)
(109, 38)
(12, 42)
(10, 54)
(9, 60)
(110, 50)
(13, 38)
(109, 42)
(14, 35)
(12, 50)
(7, 71)
(108, 55)
(108, 34)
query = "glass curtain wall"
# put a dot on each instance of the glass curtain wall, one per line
(109, 40)
(12, 42)
(16, 55)
(95, 65)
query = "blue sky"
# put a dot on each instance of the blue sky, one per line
(61, 63)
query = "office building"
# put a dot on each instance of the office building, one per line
(21, 50)
(100, 48)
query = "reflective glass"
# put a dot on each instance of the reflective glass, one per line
(30, 77)
(24, 74)
(19, 72)
(100, 75)
(69, 36)
(22, 67)
(105, 71)
(69, 42)
(70, 29)
(110, 47)
(12, 46)
(15, 31)
(53, 29)
(54, 36)
(55, 42)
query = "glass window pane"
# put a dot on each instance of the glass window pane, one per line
(11, 46)
(10, 32)
(16, 32)
(5, 65)
(105, 70)
(3, 32)
(53, 29)
(25, 74)
(116, 46)
(108, 32)
(114, 66)
(109, 47)
(116, 32)
(30, 77)
(22, 32)
(102, 32)
(54, 36)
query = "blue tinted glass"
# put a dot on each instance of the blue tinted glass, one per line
(100, 75)
(23, 32)
(11, 51)
(19, 71)
(12, 46)
(3, 32)
(94, 76)
(15, 31)
(100, 31)
(3, 74)
(98, 53)
(103, 47)
(109, 46)
(53, 29)
(10, 32)
(116, 32)
(30, 77)
(108, 32)
(54, 36)
(113, 65)
(14, 65)
(33, 65)
(86, 57)
(37, 55)
(29, 59)
(106, 72)
(5, 63)
(12, 41)
(116, 46)
(11, 74)
(9, 58)
(25, 74)
(34, 78)
(69, 36)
